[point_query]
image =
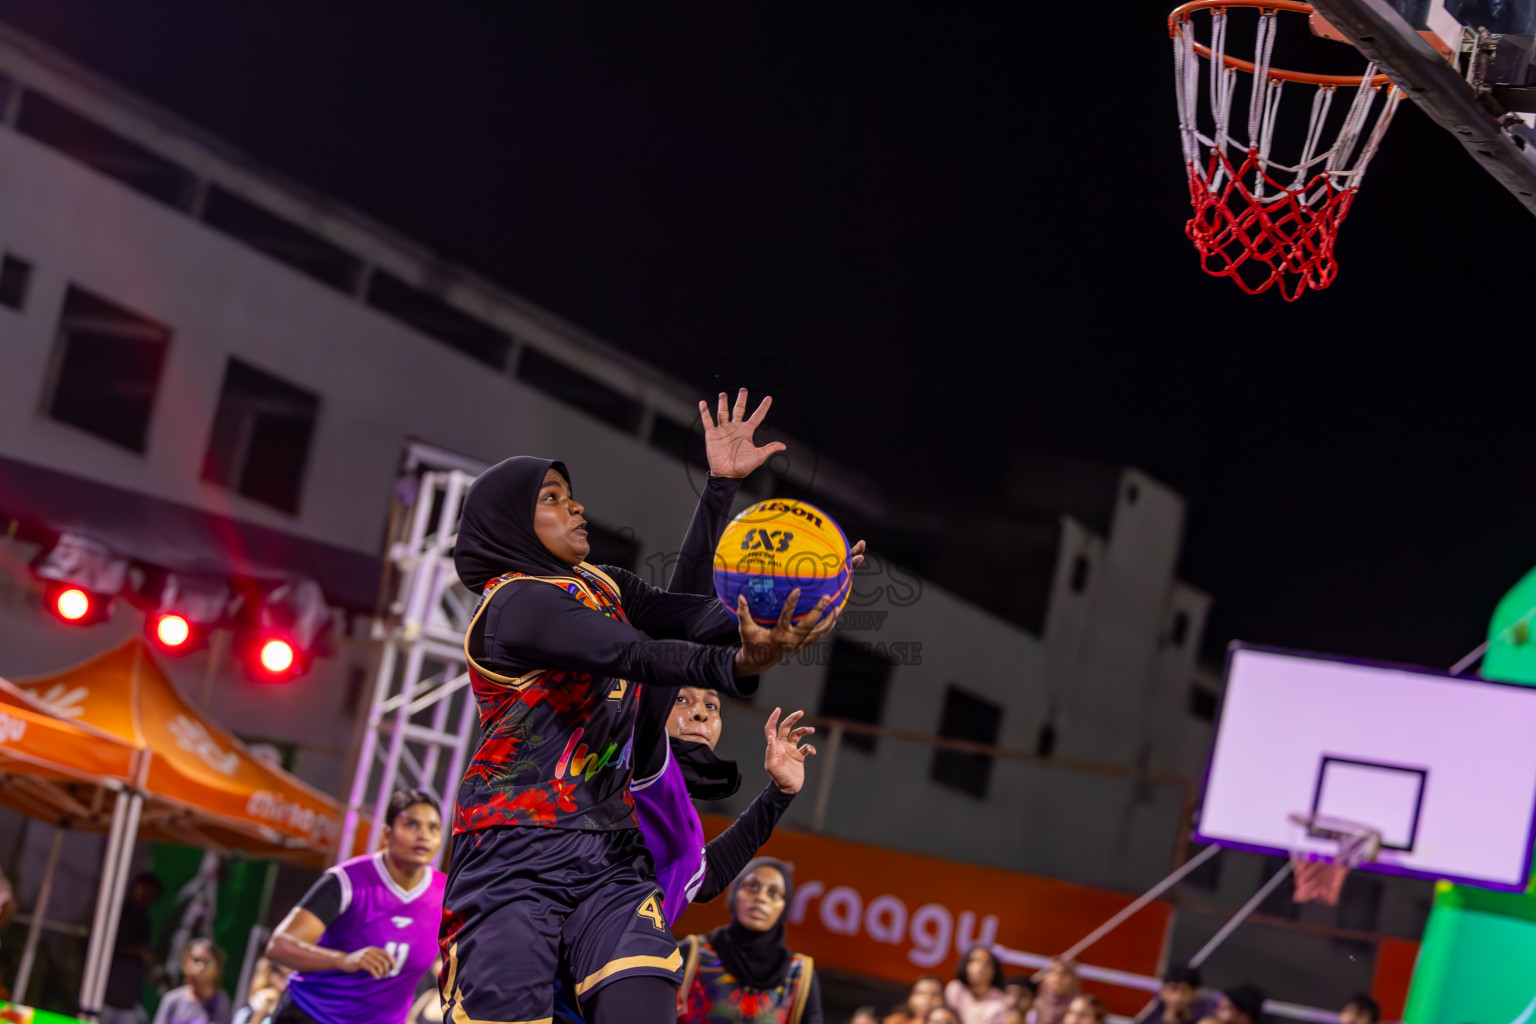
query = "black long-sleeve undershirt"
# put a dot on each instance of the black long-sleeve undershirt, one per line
(726, 854)
(528, 625)
(691, 578)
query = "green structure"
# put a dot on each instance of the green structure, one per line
(27, 1015)
(1477, 963)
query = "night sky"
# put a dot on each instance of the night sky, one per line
(962, 235)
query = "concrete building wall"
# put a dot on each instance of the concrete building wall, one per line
(1100, 672)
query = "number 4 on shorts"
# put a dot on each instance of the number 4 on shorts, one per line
(651, 910)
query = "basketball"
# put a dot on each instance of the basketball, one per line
(775, 546)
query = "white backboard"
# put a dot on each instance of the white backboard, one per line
(1443, 767)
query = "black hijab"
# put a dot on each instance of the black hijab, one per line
(496, 533)
(707, 777)
(758, 960)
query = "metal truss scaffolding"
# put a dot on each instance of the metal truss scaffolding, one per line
(421, 718)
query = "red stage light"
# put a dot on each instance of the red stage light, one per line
(73, 604)
(276, 656)
(172, 630)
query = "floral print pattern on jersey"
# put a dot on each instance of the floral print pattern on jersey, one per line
(715, 997)
(555, 748)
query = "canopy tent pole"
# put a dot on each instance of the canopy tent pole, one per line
(109, 864)
(39, 909)
(115, 905)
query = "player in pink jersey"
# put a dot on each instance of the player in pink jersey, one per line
(364, 935)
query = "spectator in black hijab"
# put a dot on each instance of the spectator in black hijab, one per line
(743, 969)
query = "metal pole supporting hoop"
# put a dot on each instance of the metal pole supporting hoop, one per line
(421, 701)
(1258, 220)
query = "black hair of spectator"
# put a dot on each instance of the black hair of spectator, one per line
(1022, 981)
(1367, 1004)
(997, 967)
(208, 944)
(403, 800)
(1247, 998)
(1182, 975)
(150, 879)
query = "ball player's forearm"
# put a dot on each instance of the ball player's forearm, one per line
(293, 952)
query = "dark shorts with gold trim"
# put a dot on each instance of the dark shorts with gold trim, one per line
(525, 903)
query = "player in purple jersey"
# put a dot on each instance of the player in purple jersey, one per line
(366, 932)
(675, 762)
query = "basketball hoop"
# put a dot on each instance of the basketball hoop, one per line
(1321, 878)
(1257, 220)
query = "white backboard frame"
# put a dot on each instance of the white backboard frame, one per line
(1445, 764)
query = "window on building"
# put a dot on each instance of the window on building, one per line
(857, 679)
(106, 151)
(293, 245)
(108, 371)
(1360, 902)
(435, 318)
(1045, 740)
(1202, 703)
(612, 547)
(966, 717)
(573, 387)
(15, 274)
(1079, 573)
(1279, 902)
(1208, 875)
(679, 442)
(261, 437)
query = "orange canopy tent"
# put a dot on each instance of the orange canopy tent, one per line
(56, 771)
(203, 786)
(50, 768)
(121, 727)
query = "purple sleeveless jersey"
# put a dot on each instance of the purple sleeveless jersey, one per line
(375, 911)
(673, 834)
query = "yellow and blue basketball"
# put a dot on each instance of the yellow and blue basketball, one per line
(775, 546)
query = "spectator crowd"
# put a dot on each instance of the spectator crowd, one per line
(980, 993)
(192, 986)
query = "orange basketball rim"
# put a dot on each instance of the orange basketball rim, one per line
(1261, 218)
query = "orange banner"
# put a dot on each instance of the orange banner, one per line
(896, 916)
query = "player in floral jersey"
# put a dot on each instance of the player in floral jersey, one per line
(364, 935)
(548, 868)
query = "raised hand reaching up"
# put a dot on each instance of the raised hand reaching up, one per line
(728, 437)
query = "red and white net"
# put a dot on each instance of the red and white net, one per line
(1319, 877)
(1260, 218)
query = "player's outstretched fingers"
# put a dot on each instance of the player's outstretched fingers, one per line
(812, 626)
(788, 725)
(771, 728)
(800, 734)
(786, 623)
(739, 413)
(856, 555)
(807, 751)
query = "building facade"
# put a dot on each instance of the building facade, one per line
(196, 349)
